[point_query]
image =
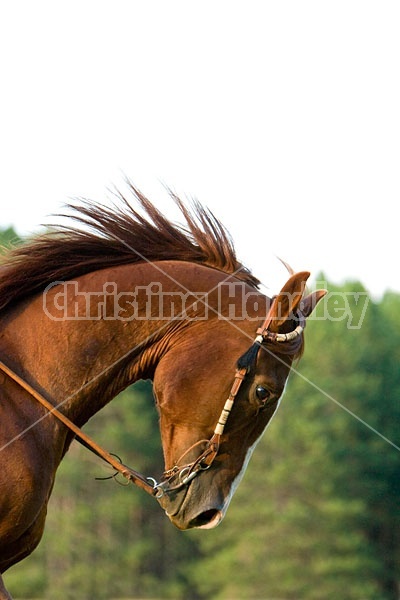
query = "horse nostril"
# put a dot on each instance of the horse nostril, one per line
(207, 519)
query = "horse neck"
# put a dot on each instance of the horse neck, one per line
(83, 363)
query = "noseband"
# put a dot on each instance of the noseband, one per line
(179, 476)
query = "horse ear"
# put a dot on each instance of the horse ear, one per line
(288, 300)
(310, 302)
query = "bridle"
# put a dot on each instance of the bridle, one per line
(179, 476)
(285, 343)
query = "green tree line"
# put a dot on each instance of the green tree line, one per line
(315, 517)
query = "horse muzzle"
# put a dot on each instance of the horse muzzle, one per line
(193, 504)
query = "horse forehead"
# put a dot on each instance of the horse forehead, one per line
(272, 368)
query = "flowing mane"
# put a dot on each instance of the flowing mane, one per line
(115, 236)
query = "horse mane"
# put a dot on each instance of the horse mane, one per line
(108, 237)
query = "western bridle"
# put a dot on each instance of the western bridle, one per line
(179, 476)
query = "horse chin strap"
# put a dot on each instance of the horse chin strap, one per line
(179, 476)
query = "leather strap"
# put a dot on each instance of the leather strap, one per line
(84, 439)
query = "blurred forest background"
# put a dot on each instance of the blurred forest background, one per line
(315, 517)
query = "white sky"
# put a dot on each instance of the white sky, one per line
(282, 117)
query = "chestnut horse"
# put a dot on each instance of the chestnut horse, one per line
(88, 309)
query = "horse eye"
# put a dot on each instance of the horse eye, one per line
(262, 393)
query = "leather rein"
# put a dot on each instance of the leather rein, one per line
(180, 476)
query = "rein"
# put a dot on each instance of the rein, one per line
(84, 439)
(179, 476)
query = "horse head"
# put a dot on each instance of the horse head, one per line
(191, 384)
